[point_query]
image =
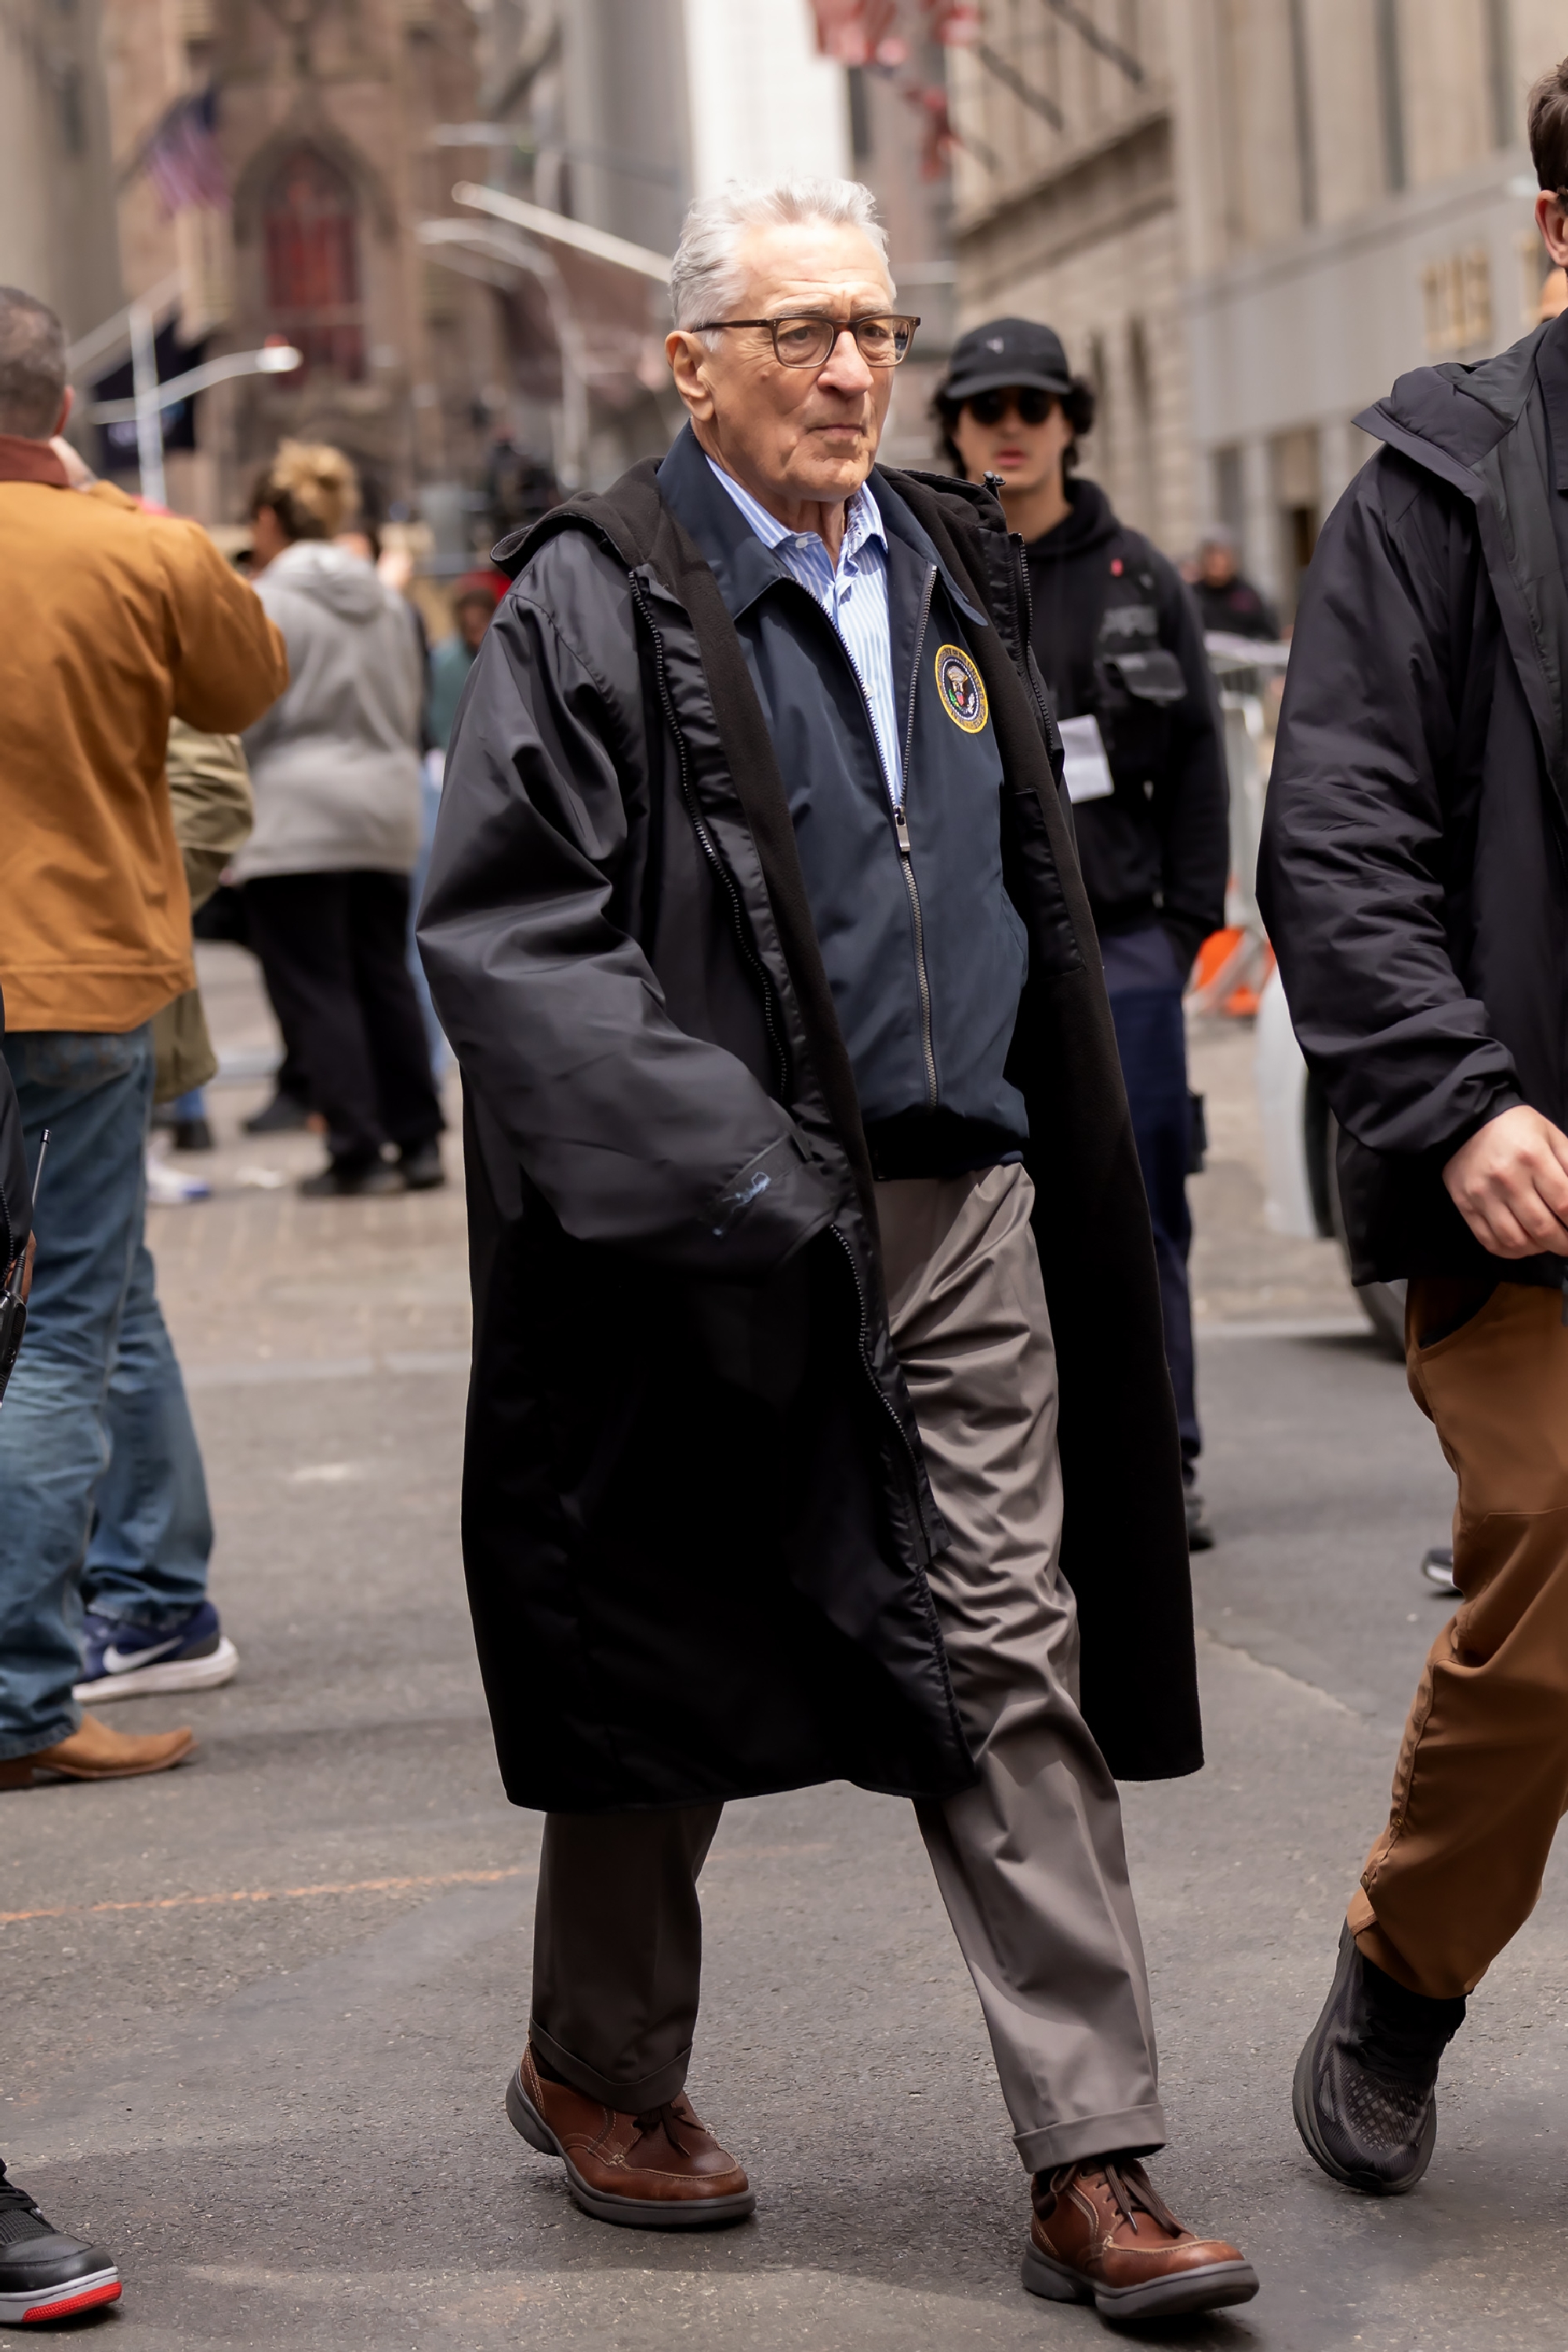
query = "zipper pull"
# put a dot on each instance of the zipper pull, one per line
(901, 828)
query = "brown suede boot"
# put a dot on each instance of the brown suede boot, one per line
(93, 1752)
(662, 2171)
(1100, 2235)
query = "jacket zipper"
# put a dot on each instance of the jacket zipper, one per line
(901, 833)
(710, 848)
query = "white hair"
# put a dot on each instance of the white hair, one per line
(704, 281)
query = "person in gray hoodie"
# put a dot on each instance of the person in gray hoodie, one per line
(334, 765)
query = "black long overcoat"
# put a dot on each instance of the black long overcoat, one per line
(696, 1518)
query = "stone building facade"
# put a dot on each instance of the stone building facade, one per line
(1249, 217)
(326, 120)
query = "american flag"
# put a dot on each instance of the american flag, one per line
(181, 157)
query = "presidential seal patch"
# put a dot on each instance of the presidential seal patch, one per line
(958, 683)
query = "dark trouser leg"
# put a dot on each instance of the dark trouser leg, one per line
(1482, 1778)
(1030, 1862)
(394, 1026)
(1151, 1039)
(618, 1951)
(300, 923)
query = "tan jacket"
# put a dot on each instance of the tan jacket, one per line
(111, 623)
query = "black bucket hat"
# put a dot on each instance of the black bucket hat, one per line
(1006, 353)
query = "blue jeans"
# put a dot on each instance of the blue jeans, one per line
(1144, 985)
(153, 1533)
(94, 1094)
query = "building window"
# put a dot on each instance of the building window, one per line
(1391, 93)
(312, 263)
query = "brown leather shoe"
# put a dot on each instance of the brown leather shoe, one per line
(93, 1752)
(661, 2171)
(1100, 2235)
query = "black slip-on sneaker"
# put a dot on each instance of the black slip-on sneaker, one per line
(1366, 2094)
(43, 2273)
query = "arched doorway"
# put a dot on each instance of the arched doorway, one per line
(309, 223)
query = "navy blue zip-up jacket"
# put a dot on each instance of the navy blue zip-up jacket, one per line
(925, 953)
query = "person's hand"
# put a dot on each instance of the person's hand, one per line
(1510, 1183)
(78, 473)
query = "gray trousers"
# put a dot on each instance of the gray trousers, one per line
(1030, 1862)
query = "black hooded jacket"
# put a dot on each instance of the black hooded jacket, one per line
(1413, 872)
(695, 1520)
(1116, 635)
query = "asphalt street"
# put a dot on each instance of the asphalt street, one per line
(261, 2011)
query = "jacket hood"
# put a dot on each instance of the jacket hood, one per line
(1089, 522)
(1453, 416)
(334, 578)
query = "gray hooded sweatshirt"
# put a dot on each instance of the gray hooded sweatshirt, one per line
(334, 764)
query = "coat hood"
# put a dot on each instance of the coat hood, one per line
(1452, 417)
(343, 582)
(1090, 522)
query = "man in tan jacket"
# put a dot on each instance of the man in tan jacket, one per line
(111, 623)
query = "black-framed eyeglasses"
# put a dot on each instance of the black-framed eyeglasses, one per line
(1033, 404)
(809, 338)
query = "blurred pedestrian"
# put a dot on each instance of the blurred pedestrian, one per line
(112, 621)
(335, 770)
(474, 602)
(755, 922)
(1118, 642)
(1413, 882)
(1229, 604)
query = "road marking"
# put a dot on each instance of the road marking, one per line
(276, 1893)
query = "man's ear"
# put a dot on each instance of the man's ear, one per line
(688, 355)
(63, 419)
(1552, 220)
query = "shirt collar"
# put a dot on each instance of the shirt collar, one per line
(863, 518)
(23, 459)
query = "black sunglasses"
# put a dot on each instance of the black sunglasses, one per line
(990, 407)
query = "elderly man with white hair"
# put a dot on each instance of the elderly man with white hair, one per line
(818, 1403)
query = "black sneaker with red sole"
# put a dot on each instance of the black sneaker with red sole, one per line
(43, 2273)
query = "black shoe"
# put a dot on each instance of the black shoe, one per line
(421, 1166)
(362, 1178)
(284, 1114)
(193, 1135)
(1200, 1535)
(43, 2275)
(1366, 2097)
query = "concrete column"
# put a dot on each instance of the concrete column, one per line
(1260, 533)
(1338, 458)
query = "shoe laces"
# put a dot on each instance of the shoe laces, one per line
(668, 2119)
(1131, 2192)
(19, 2217)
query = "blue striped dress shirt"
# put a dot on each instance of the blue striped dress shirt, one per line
(854, 596)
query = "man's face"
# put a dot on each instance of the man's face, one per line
(1216, 561)
(791, 434)
(1000, 439)
(474, 616)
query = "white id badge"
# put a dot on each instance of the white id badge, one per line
(1087, 770)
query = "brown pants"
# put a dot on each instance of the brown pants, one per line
(1482, 1777)
(1029, 1862)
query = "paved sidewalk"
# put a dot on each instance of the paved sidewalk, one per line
(260, 2012)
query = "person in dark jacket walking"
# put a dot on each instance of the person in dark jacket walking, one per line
(1413, 882)
(753, 922)
(1229, 604)
(1116, 636)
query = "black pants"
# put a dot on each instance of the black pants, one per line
(332, 947)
